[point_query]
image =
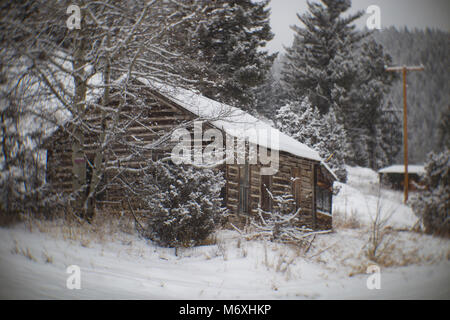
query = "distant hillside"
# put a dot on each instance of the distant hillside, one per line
(428, 91)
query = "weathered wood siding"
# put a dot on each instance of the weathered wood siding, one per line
(281, 183)
(144, 125)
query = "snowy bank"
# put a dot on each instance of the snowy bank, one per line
(361, 198)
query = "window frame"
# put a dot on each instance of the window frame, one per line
(266, 200)
(244, 189)
(324, 200)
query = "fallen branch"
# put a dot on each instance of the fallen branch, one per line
(309, 244)
(235, 228)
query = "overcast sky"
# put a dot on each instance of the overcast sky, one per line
(410, 13)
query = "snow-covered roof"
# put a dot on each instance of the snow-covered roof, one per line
(400, 168)
(234, 121)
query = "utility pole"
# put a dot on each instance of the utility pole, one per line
(404, 71)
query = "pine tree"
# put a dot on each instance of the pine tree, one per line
(323, 133)
(319, 62)
(331, 65)
(389, 136)
(300, 121)
(444, 130)
(333, 144)
(432, 204)
(271, 93)
(229, 41)
(367, 121)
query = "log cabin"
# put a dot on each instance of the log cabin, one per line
(300, 171)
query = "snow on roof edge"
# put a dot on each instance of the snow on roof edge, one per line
(208, 108)
(329, 170)
(400, 168)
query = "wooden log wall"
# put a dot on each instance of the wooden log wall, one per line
(281, 183)
(151, 122)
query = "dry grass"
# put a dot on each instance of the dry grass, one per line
(9, 219)
(402, 249)
(359, 269)
(209, 241)
(342, 220)
(102, 229)
(280, 258)
(47, 257)
(26, 252)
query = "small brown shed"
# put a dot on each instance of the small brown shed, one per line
(394, 176)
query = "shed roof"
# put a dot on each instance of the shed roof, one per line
(235, 121)
(400, 168)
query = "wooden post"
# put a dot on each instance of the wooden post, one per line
(314, 190)
(404, 71)
(405, 136)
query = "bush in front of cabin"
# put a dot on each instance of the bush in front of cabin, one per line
(283, 223)
(432, 204)
(185, 203)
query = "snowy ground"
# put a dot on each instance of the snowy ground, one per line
(362, 197)
(122, 266)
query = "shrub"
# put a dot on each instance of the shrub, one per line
(283, 223)
(186, 204)
(432, 204)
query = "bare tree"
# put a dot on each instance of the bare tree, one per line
(378, 242)
(21, 169)
(84, 76)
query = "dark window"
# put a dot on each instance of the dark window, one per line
(266, 187)
(88, 178)
(296, 186)
(323, 199)
(244, 187)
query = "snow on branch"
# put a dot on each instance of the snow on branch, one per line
(281, 224)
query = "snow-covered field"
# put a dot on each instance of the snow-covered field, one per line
(362, 197)
(123, 266)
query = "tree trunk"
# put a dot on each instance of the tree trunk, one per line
(78, 154)
(97, 171)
